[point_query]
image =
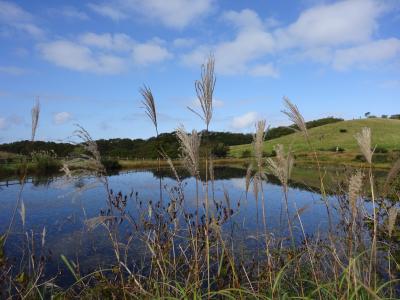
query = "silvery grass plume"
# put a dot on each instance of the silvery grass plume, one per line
(205, 90)
(295, 116)
(355, 186)
(90, 146)
(149, 105)
(35, 112)
(189, 144)
(282, 165)
(258, 142)
(364, 142)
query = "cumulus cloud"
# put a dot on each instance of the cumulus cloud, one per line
(108, 10)
(77, 57)
(333, 24)
(264, 70)
(61, 118)
(183, 42)
(148, 53)
(13, 16)
(245, 121)
(73, 13)
(367, 54)
(172, 13)
(103, 53)
(117, 41)
(317, 35)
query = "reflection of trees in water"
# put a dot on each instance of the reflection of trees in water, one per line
(220, 172)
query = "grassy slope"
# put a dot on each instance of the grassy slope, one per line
(385, 133)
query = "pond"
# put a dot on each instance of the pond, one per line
(61, 207)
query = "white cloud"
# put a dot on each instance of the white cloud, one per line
(103, 53)
(233, 57)
(12, 70)
(367, 55)
(183, 42)
(73, 13)
(264, 70)
(14, 16)
(61, 118)
(334, 24)
(245, 121)
(108, 10)
(316, 35)
(117, 41)
(148, 53)
(172, 13)
(76, 57)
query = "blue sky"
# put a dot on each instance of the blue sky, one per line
(86, 60)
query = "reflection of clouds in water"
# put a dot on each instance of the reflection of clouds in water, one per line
(239, 183)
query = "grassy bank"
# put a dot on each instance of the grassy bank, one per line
(335, 143)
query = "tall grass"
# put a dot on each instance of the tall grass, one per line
(187, 253)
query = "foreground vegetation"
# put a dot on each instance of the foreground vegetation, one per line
(188, 254)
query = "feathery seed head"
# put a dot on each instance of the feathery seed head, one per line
(35, 118)
(149, 105)
(258, 142)
(295, 116)
(355, 186)
(190, 145)
(205, 90)
(282, 165)
(364, 142)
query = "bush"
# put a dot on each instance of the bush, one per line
(220, 150)
(111, 164)
(381, 150)
(45, 162)
(343, 130)
(245, 154)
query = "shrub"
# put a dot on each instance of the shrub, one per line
(45, 162)
(395, 117)
(111, 164)
(381, 150)
(246, 153)
(343, 130)
(220, 150)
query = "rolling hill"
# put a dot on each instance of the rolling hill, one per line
(326, 139)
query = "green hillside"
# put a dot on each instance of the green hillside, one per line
(326, 139)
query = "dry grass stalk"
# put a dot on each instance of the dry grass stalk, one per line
(35, 112)
(190, 145)
(149, 105)
(295, 116)
(364, 141)
(392, 216)
(205, 90)
(282, 166)
(355, 186)
(258, 142)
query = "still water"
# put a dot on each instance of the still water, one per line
(62, 207)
